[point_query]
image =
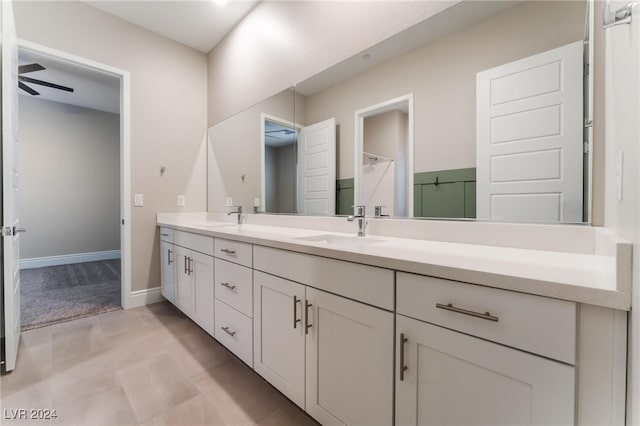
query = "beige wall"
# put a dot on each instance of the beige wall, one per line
(69, 179)
(281, 43)
(234, 150)
(442, 77)
(168, 110)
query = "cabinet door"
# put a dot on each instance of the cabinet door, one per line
(201, 270)
(279, 342)
(184, 281)
(455, 379)
(349, 361)
(168, 271)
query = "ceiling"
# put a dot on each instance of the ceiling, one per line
(92, 89)
(277, 135)
(200, 24)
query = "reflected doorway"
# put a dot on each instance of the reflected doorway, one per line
(280, 144)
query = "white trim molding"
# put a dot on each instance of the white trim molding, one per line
(67, 259)
(145, 297)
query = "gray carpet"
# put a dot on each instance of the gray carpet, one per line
(61, 293)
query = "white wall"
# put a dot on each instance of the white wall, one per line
(70, 179)
(622, 45)
(280, 43)
(168, 110)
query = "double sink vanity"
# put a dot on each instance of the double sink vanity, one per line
(429, 322)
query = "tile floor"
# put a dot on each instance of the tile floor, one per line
(145, 366)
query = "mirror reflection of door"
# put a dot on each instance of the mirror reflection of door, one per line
(281, 145)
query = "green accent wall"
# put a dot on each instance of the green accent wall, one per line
(445, 193)
(344, 196)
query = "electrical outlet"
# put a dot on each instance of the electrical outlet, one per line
(256, 202)
(181, 201)
(138, 200)
(229, 201)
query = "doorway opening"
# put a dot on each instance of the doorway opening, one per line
(383, 177)
(75, 186)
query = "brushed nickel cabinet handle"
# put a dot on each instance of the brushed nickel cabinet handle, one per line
(185, 264)
(229, 332)
(169, 261)
(307, 326)
(228, 251)
(164, 235)
(190, 265)
(229, 286)
(295, 311)
(403, 368)
(449, 307)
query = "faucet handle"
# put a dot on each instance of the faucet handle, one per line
(358, 211)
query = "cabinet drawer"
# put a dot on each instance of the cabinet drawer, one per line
(234, 286)
(196, 242)
(235, 331)
(234, 251)
(363, 283)
(535, 324)
(166, 234)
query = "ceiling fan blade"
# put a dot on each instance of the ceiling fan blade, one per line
(23, 69)
(27, 89)
(45, 83)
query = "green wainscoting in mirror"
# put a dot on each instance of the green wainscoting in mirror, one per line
(445, 193)
(344, 196)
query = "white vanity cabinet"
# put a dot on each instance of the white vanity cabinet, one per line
(194, 267)
(234, 297)
(168, 270)
(330, 354)
(468, 365)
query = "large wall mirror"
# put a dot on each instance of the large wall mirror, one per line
(476, 113)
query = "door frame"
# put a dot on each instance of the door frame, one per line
(358, 144)
(126, 298)
(263, 181)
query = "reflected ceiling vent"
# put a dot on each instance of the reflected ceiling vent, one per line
(24, 69)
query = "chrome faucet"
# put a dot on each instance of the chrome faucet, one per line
(358, 213)
(238, 212)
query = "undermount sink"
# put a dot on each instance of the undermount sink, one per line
(342, 240)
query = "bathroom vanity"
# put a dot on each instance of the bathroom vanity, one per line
(385, 329)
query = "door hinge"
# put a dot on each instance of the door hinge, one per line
(7, 231)
(585, 147)
(585, 70)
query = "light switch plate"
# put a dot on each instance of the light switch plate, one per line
(229, 201)
(181, 200)
(138, 200)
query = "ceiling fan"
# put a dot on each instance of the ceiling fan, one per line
(24, 69)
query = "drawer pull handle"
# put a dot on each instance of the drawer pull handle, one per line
(403, 368)
(190, 266)
(449, 307)
(307, 326)
(164, 235)
(229, 286)
(186, 258)
(228, 251)
(295, 311)
(229, 332)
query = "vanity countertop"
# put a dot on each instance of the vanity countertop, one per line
(602, 278)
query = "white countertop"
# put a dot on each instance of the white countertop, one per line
(601, 278)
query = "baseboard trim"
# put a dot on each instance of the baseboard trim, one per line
(144, 297)
(67, 259)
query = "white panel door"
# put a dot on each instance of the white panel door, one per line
(279, 339)
(317, 169)
(10, 187)
(529, 129)
(456, 379)
(168, 271)
(349, 357)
